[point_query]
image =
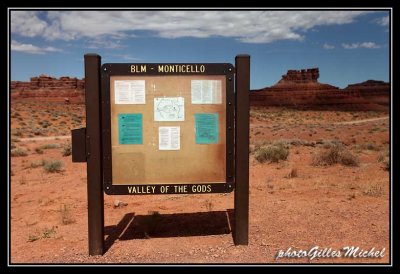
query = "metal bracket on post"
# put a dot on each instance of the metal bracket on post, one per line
(94, 154)
(242, 89)
(78, 137)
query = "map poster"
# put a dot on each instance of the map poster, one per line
(169, 109)
(169, 138)
(207, 128)
(130, 129)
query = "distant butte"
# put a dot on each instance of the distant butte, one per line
(369, 86)
(304, 79)
(296, 88)
(48, 88)
(300, 88)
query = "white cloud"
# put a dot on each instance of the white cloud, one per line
(104, 43)
(328, 46)
(27, 23)
(244, 26)
(384, 21)
(127, 57)
(29, 48)
(367, 45)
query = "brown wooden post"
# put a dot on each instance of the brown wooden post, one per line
(94, 155)
(242, 89)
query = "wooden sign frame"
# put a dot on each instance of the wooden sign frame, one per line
(141, 71)
(91, 144)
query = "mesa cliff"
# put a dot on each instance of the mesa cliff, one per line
(296, 88)
(46, 88)
(300, 88)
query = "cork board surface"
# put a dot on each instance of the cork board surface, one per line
(144, 163)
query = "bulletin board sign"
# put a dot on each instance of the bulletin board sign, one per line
(167, 128)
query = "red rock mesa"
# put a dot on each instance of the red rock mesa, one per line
(300, 88)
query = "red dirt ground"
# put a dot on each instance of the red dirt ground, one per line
(332, 206)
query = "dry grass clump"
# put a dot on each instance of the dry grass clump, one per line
(271, 152)
(19, 152)
(52, 166)
(373, 189)
(335, 154)
(384, 157)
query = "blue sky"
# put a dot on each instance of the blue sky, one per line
(348, 46)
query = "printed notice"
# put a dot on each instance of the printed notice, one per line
(169, 109)
(206, 92)
(207, 128)
(130, 129)
(130, 92)
(169, 138)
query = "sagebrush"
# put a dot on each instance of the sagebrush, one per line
(335, 154)
(271, 152)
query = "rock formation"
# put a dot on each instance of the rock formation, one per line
(300, 88)
(49, 88)
(298, 80)
(303, 76)
(370, 85)
(297, 88)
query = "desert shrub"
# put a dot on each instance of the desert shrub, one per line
(32, 238)
(38, 150)
(48, 232)
(332, 143)
(67, 150)
(37, 164)
(52, 166)
(384, 157)
(373, 189)
(254, 147)
(19, 152)
(370, 146)
(327, 157)
(336, 154)
(272, 152)
(367, 146)
(346, 158)
(50, 146)
(296, 142)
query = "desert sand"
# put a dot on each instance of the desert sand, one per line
(293, 203)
